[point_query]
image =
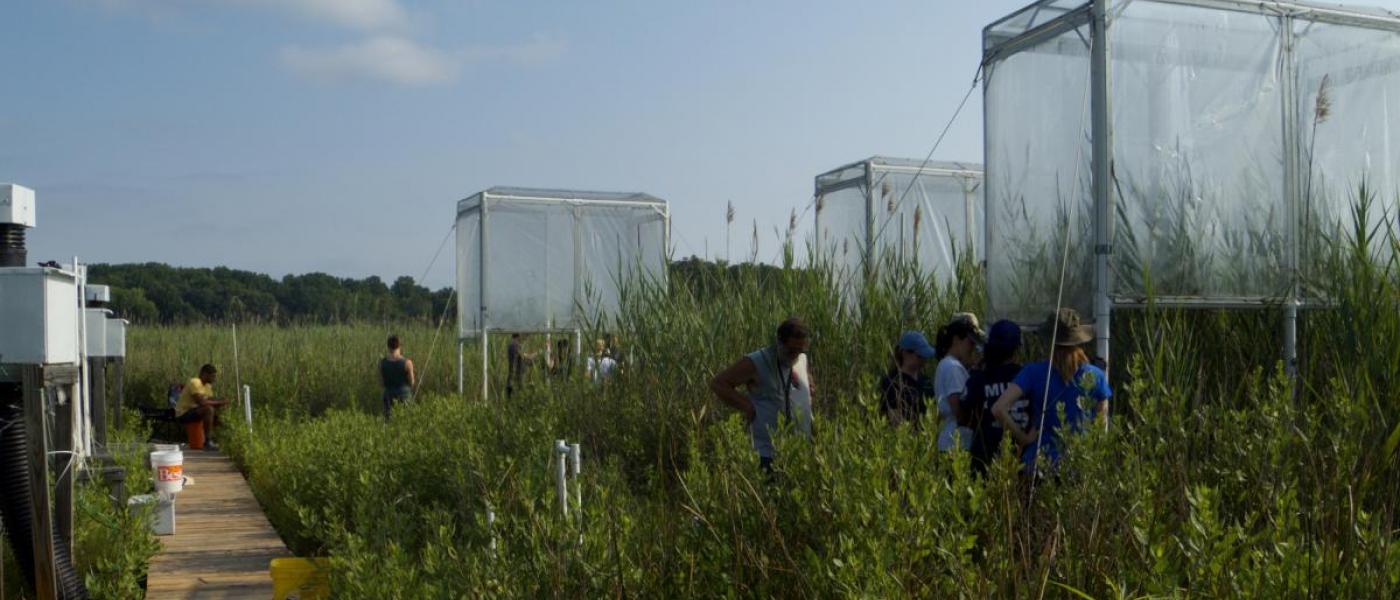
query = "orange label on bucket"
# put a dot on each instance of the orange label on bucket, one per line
(170, 472)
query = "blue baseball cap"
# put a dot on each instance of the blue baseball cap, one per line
(1004, 334)
(915, 342)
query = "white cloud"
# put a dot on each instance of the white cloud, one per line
(402, 61)
(392, 59)
(367, 15)
(370, 15)
(540, 49)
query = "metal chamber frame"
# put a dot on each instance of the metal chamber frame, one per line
(578, 206)
(1039, 24)
(865, 177)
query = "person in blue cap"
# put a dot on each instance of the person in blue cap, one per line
(986, 385)
(1066, 382)
(905, 389)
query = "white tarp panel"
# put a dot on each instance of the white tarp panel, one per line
(553, 261)
(1037, 146)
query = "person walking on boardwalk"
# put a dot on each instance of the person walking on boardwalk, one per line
(198, 404)
(905, 390)
(773, 377)
(986, 385)
(1062, 383)
(396, 376)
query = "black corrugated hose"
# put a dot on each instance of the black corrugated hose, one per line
(15, 505)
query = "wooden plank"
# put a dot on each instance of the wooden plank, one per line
(223, 543)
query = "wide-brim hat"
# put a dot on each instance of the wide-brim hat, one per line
(1068, 328)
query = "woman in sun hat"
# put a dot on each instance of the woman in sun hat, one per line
(1067, 381)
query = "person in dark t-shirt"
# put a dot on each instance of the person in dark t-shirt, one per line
(905, 390)
(999, 369)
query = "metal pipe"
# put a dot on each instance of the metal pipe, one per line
(481, 308)
(1292, 188)
(869, 223)
(1102, 135)
(78, 427)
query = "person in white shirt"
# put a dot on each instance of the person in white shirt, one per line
(956, 347)
(600, 365)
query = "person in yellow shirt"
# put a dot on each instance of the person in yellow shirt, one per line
(197, 403)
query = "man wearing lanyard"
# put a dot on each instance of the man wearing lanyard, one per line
(777, 383)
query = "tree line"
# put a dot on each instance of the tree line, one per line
(151, 293)
(157, 293)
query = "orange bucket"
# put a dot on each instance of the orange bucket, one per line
(194, 434)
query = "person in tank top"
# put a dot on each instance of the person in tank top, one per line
(777, 386)
(396, 375)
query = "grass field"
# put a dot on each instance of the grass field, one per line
(1221, 476)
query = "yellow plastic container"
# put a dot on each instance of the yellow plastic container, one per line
(300, 579)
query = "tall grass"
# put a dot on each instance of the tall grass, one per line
(1225, 478)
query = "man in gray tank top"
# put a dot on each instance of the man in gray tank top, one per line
(774, 389)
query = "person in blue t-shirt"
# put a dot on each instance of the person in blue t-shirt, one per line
(1067, 382)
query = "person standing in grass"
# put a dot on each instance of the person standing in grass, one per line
(905, 390)
(396, 376)
(601, 364)
(986, 385)
(1066, 382)
(197, 403)
(516, 361)
(957, 346)
(772, 378)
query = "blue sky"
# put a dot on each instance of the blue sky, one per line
(337, 135)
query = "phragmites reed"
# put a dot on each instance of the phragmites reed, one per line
(729, 213)
(1323, 108)
(792, 223)
(821, 202)
(754, 242)
(918, 218)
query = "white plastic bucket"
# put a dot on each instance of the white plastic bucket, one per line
(170, 471)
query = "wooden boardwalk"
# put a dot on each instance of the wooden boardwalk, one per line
(223, 543)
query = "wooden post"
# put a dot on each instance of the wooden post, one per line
(64, 399)
(97, 382)
(118, 390)
(35, 424)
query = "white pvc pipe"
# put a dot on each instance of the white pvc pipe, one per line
(561, 456)
(576, 464)
(248, 406)
(491, 526)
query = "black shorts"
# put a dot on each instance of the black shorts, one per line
(190, 416)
